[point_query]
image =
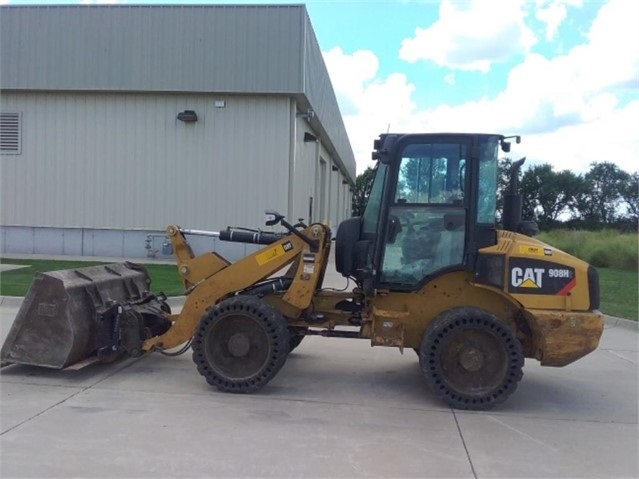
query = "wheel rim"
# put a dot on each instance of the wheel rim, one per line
(474, 361)
(237, 347)
(471, 358)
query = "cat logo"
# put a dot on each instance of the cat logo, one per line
(535, 276)
(527, 277)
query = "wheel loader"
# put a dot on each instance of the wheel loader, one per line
(431, 272)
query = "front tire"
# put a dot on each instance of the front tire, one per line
(241, 344)
(471, 358)
(297, 336)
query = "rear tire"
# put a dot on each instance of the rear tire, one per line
(471, 358)
(241, 344)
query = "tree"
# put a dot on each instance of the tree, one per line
(603, 199)
(363, 185)
(549, 197)
(423, 179)
(630, 194)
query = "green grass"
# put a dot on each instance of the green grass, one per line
(619, 293)
(164, 277)
(616, 257)
(603, 249)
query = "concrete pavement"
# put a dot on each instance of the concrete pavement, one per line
(337, 409)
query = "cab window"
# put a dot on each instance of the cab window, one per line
(487, 200)
(427, 212)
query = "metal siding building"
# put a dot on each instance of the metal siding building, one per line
(102, 158)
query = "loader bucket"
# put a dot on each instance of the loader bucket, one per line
(59, 322)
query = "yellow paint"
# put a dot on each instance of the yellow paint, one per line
(270, 254)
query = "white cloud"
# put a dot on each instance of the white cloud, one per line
(572, 109)
(611, 137)
(471, 35)
(349, 76)
(613, 55)
(552, 13)
(582, 86)
(369, 105)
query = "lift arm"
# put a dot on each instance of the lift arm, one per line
(209, 278)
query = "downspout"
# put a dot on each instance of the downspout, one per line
(316, 195)
(329, 207)
(291, 157)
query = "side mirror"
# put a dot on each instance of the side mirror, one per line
(383, 147)
(505, 146)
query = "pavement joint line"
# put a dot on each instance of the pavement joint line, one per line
(498, 414)
(40, 413)
(461, 436)
(522, 433)
(615, 353)
(62, 401)
(29, 419)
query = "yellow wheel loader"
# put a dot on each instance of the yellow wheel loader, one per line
(432, 272)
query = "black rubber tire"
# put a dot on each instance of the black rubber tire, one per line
(295, 341)
(240, 344)
(471, 358)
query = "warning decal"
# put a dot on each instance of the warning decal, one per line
(270, 254)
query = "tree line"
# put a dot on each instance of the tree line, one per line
(604, 197)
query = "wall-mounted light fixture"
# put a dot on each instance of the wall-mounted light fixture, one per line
(308, 114)
(334, 168)
(309, 138)
(187, 116)
(344, 182)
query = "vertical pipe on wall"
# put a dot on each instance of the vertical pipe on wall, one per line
(329, 207)
(318, 145)
(291, 158)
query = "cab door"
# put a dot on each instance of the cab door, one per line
(428, 208)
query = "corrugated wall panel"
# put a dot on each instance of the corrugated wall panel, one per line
(191, 48)
(162, 48)
(125, 161)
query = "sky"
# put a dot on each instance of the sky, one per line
(563, 74)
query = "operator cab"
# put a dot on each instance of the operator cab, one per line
(431, 207)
